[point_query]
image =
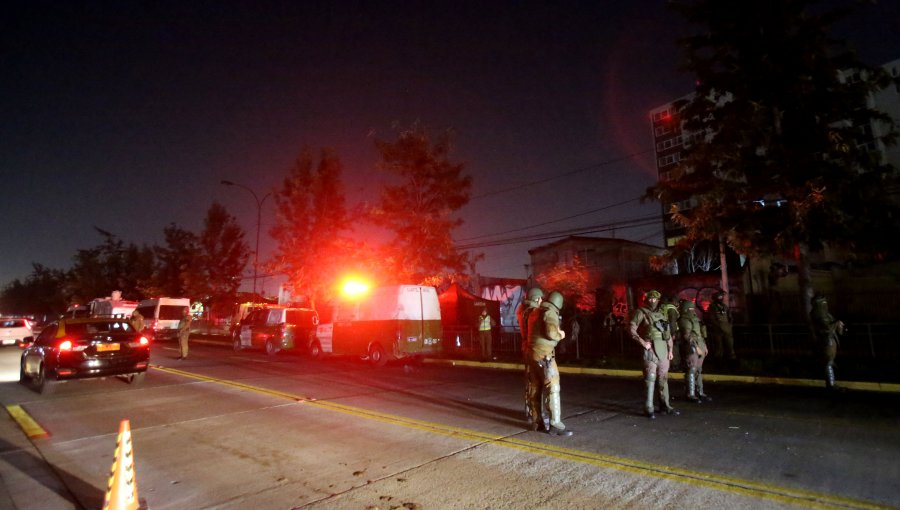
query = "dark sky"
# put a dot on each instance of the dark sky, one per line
(127, 115)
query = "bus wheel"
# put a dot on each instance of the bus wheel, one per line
(377, 356)
(315, 350)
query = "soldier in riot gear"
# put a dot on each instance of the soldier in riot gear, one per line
(828, 331)
(535, 416)
(650, 329)
(669, 307)
(718, 324)
(692, 334)
(544, 333)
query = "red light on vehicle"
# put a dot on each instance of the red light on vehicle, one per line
(65, 345)
(65, 372)
(141, 366)
(144, 341)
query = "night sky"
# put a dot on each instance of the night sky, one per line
(127, 115)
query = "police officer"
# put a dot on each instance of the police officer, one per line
(650, 329)
(544, 333)
(669, 307)
(485, 323)
(828, 330)
(718, 324)
(184, 332)
(692, 334)
(534, 415)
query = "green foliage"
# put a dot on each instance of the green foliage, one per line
(314, 248)
(420, 209)
(174, 261)
(42, 293)
(221, 255)
(778, 157)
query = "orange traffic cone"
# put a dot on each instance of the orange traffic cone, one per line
(121, 493)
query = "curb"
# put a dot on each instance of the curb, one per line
(747, 379)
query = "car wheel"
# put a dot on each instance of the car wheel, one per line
(43, 384)
(271, 348)
(23, 377)
(377, 356)
(136, 379)
(315, 350)
(237, 344)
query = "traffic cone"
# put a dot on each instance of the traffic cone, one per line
(121, 492)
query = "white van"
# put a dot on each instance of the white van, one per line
(161, 316)
(387, 323)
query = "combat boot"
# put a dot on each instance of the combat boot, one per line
(700, 392)
(650, 381)
(557, 427)
(829, 377)
(664, 396)
(691, 381)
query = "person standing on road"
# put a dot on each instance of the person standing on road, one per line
(650, 329)
(693, 342)
(828, 331)
(184, 332)
(545, 332)
(485, 324)
(137, 321)
(718, 324)
(534, 415)
(669, 307)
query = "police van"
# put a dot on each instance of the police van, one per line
(386, 323)
(161, 316)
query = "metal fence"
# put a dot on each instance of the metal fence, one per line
(862, 341)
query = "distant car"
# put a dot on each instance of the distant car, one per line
(275, 328)
(82, 348)
(14, 330)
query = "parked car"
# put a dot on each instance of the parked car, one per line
(80, 348)
(275, 328)
(14, 330)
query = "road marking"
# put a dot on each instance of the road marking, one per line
(26, 422)
(762, 490)
(751, 379)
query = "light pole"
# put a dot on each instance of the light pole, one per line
(259, 204)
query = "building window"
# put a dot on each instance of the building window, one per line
(662, 115)
(662, 130)
(671, 159)
(668, 144)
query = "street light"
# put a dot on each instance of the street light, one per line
(259, 204)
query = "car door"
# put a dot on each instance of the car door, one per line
(34, 355)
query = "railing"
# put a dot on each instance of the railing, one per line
(862, 341)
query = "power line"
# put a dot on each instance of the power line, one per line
(592, 229)
(551, 221)
(560, 176)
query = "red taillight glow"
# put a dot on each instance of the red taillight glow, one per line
(65, 345)
(144, 341)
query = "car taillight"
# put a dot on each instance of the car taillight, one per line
(144, 341)
(65, 345)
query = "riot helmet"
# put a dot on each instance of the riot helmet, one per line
(556, 299)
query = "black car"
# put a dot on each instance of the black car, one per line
(80, 348)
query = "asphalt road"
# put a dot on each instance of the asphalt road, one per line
(244, 430)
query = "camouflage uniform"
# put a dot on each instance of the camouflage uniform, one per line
(649, 328)
(692, 334)
(544, 333)
(669, 307)
(534, 415)
(184, 332)
(828, 331)
(718, 324)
